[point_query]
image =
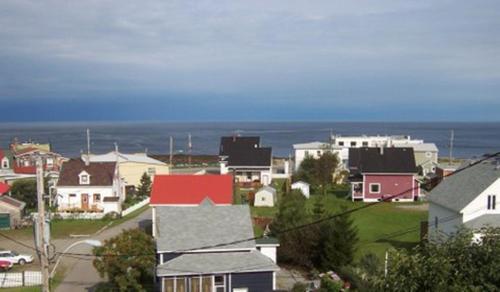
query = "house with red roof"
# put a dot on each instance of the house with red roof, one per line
(25, 154)
(190, 190)
(4, 188)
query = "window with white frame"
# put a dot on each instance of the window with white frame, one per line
(318, 152)
(5, 163)
(341, 143)
(353, 144)
(220, 283)
(375, 188)
(365, 143)
(492, 202)
(84, 178)
(151, 171)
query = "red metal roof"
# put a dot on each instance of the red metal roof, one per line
(191, 189)
(4, 188)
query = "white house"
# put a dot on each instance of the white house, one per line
(341, 145)
(467, 198)
(245, 159)
(302, 186)
(89, 187)
(265, 197)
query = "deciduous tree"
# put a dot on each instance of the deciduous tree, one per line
(127, 260)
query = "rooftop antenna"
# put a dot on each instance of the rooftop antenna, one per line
(452, 137)
(190, 147)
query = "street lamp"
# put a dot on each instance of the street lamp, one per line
(91, 242)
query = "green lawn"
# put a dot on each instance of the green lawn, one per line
(374, 223)
(63, 228)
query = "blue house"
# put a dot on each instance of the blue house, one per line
(209, 248)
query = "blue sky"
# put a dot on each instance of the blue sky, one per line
(250, 60)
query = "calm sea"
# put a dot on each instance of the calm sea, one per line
(471, 139)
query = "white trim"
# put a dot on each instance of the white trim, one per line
(207, 250)
(264, 167)
(379, 188)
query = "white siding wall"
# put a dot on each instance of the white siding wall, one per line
(64, 200)
(479, 205)
(269, 251)
(450, 226)
(264, 199)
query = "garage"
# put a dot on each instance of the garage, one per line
(4, 221)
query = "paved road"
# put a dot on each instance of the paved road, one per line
(80, 273)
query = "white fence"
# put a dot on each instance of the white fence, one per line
(135, 207)
(21, 279)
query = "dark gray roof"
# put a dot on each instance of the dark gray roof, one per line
(186, 228)
(491, 220)
(237, 143)
(458, 190)
(376, 160)
(216, 263)
(244, 151)
(267, 240)
(250, 157)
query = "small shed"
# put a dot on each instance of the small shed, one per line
(302, 186)
(11, 211)
(265, 197)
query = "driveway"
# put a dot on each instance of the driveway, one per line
(80, 274)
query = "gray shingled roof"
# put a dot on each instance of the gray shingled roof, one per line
(186, 228)
(492, 220)
(457, 191)
(216, 263)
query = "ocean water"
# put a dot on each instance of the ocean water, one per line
(69, 139)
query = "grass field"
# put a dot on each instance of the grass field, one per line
(64, 228)
(375, 224)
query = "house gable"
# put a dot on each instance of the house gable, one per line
(479, 205)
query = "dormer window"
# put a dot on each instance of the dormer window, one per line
(5, 163)
(84, 178)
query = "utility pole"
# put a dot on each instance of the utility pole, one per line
(88, 143)
(42, 244)
(171, 150)
(190, 147)
(452, 137)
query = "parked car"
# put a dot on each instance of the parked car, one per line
(5, 265)
(15, 258)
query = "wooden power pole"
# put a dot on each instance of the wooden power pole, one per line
(452, 137)
(190, 147)
(41, 224)
(171, 150)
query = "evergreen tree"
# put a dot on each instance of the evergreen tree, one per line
(338, 243)
(294, 248)
(144, 189)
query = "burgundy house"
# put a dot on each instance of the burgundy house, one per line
(379, 173)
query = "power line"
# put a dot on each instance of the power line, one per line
(328, 218)
(294, 228)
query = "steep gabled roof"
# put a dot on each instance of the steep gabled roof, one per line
(237, 144)
(251, 157)
(101, 173)
(179, 189)
(459, 189)
(388, 160)
(207, 226)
